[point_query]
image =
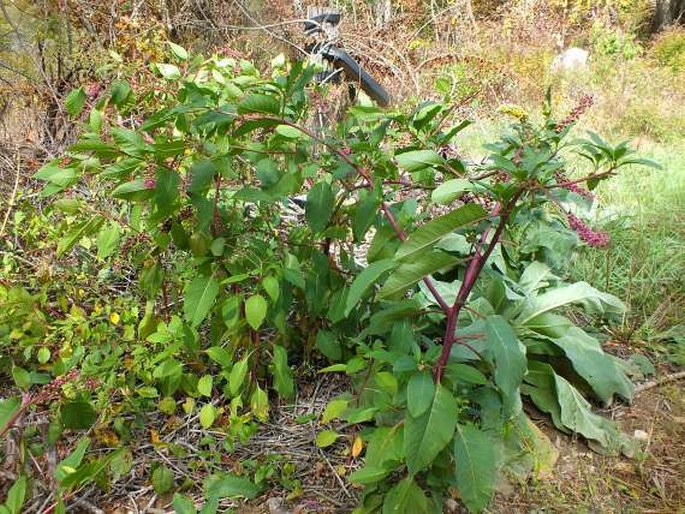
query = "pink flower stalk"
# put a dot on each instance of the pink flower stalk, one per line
(563, 180)
(585, 233)
(584, 104)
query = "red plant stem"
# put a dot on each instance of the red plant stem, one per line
(470, 277)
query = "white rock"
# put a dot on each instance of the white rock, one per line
(571, 59)
(640, 435)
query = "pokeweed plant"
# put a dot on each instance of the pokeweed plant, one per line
(429, 280)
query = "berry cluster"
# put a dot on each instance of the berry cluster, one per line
(586, 233)
(563, 181)
(584, 104)
(53, 390)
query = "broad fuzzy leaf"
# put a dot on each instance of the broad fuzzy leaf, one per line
(579, 293)
(199, 298)
(427, 235)
(425, 436)
(600, 370)
(476, 463)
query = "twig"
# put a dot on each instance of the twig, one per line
(10, 205)
(655, 383)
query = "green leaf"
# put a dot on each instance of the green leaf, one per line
(16, 496)
(133, 191)
(320, 205)
(78, 415)
(76, 234)
(272, 288)
(410, 272)
(204, 385)
(207, 415)
(290, 132)
(420, 393)
(476, 463)
(21, 377)
(168, 71)
(162, 480)
(178, 51)
(283, 375)
(183, 505)
(73, 460)
(334, 409)
(237, 376)
(255, 311)
(430, 233)
(425, 436)
(508, 357)
(220, 356)
(108, 240)
(599, 369)
(369, 475)
(259, 404)
(75, 101)
(120, 93)
(593, 301)
(256, 103)
(417, 160)
(130, 142)
(450, 190)
(406, 498)
(8, 409)
(199, 298)
(326, 438)
(63, 177)
(365, 280)
(328, 344)
(228, 485)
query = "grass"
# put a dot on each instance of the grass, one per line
(643, 210)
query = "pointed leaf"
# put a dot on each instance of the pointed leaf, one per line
(426, 436)
(75, 101)
(417, 160)
(410, 272)
(427, 235)
(199, 298)
(476, 463)
(283, 375)
(319, 206)
(230, 486)
(406, 498)
(237, 376)
(420, 393)
(365, 280)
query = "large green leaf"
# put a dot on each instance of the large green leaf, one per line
(16, 496)
(406, 497)
(108, 240)
(425, 436)
(430, 233)
(575, 414)
(257, 103)
(476, 462)
(133, 190)
(508, 357)
(130, 142)
(600, 370)
(319, 207)
(578, 293)
(367, 278)
(255, 311)
(410, 272)
(199, 298)
(420, 393)
(537, 275)
(73, 460)
(450, 190)
(417, 160)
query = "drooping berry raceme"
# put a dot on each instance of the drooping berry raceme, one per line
(584, 104)
(585, 233)
(564, 182)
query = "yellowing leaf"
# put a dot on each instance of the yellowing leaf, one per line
(154, 436)
(357, 446)
(114, 318)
